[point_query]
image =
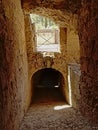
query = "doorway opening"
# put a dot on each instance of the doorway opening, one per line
(48, 86)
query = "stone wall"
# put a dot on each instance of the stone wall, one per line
(17, 65)
(69, 6)
(73, 47)
(60, 60)
(88, 35)
(36, 61)
(74, 74)
(13, 65)
(69, 41)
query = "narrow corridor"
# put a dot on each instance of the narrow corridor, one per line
(49, 111)
(53, 116)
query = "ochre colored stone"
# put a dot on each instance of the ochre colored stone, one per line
(78, 22)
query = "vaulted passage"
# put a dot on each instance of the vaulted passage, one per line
(23, 79)
(48, 85)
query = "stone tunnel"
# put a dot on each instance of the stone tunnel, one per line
(71, 73)
(48, 85)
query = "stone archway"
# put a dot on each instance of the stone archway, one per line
(48, 85)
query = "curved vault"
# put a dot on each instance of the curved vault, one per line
(64, 13)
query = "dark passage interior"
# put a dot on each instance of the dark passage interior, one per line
(48, 85)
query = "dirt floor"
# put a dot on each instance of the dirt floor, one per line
(46, 113)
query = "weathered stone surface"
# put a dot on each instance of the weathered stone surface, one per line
(36, 60)
(71, 6)
(73, 47)
(19, 61)
(13, 65)
(60, 60)
(62, 15)
(88, 35)
(61, 18)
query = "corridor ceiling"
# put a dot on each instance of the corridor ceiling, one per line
(69, 5)
(62, 12)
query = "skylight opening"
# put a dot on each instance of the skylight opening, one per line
(47, 35)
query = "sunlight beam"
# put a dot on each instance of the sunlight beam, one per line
(69, 85)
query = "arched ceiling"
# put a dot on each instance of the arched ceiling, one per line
(62, 12)
(68, 5)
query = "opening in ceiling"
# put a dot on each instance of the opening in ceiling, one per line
(47, 35)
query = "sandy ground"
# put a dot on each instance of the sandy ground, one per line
(49, 111)
(54, 116)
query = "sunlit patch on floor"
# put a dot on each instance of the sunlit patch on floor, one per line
(56, 86)
(61, 107)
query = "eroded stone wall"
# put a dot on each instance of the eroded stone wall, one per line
(69, 47)
(88, 35)
(15, 95)
(13, 65)
(73, 47)
(69, 6)
(36, 61)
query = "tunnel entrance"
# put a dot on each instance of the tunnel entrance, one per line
(48, 85)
